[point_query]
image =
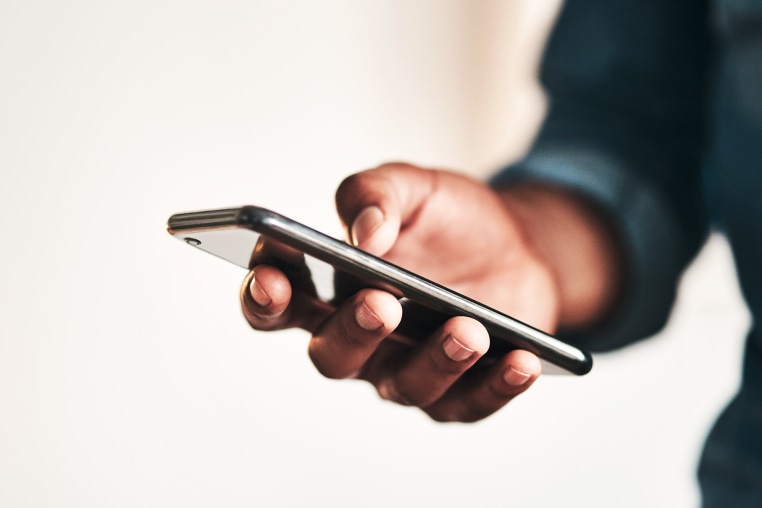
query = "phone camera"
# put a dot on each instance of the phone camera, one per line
(192, 241)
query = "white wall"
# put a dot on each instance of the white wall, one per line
(127, 375)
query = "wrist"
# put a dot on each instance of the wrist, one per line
(572, 237)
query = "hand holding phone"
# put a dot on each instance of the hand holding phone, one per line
(440, 225)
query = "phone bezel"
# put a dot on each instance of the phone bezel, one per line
(509, 332)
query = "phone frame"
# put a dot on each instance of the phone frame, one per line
(506, 332)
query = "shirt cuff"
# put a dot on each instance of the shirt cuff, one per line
(648, 229)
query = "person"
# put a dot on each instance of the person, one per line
(653, 136)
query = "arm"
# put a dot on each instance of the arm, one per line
(598, 260)
(626, 84)
(574, 240)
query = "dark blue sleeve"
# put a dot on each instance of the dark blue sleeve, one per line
(626, 86)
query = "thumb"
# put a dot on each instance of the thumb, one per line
(375, 205)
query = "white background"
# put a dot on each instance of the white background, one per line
(128, 376)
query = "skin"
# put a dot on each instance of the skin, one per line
(538, 253)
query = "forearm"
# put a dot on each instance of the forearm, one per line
(575, 241)
(624, 129)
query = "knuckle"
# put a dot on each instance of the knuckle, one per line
(451, 414)
(388, 390)
(412, 398)
(259, 323)
(257, 317)
(347, 335)
(499, 393)
(328, 369)
(443, 366)
(471, 415)
(477, 408)
(439, 416)
(394, 165)
(410, 393)
(349, 184)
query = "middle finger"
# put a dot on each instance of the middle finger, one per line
(431, 369)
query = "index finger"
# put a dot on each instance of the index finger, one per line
(268, 302)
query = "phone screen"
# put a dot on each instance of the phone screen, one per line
(246, 248)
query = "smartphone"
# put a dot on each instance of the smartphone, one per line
(332, 270)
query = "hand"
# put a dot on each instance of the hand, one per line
(450, 229)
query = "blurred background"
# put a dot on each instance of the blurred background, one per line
(128, 376)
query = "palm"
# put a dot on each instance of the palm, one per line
(408, 216)
(484, 259)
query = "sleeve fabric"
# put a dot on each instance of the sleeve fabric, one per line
(626, 85)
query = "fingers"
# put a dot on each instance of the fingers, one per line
(431, 369)
(375, 204)
(488, 390)
(439, 376)
(268, 302)
(344, 342)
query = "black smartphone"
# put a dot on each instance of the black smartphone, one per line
(332, 270)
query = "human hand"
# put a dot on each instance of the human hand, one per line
(448, 228)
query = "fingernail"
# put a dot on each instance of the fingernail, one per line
(455, 350)
(515, 377)
(258, 294)
(366, 224)
(366, 318)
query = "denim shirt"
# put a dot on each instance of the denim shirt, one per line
(656, 115)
